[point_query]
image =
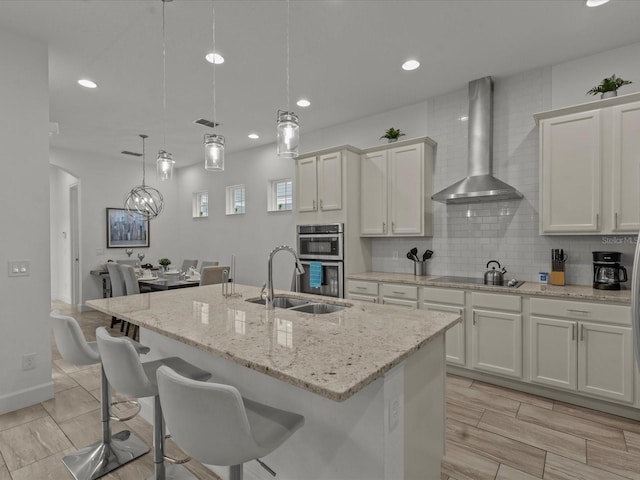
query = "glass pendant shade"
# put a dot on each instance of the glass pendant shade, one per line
(213, 152)
(164, 166)
(288, 134)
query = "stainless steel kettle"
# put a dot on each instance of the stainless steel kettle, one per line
(493, 276)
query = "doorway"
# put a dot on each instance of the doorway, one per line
(74, 245)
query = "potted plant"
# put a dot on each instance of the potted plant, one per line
(164, 262)
(609, 87)
(392, 135)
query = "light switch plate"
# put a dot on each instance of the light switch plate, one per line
(19, 268)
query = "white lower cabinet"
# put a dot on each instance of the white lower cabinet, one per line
(496, 334)
(592, 356)
(449, 301)
(363, 291)
(400, 295)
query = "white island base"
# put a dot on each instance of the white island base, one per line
(392, 429)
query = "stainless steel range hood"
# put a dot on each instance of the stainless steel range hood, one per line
(479, 185)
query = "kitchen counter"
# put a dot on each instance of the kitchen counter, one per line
(369, 379)
(334, 355)
(582, 292)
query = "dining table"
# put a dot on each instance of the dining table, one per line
(168, 282)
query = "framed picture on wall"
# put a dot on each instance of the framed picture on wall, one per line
(126, 230)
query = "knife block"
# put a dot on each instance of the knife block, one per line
(557, 278)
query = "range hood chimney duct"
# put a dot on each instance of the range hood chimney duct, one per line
(480, 185)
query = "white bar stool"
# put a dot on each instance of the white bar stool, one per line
(217, 426)
(130, 376)
(112, 451)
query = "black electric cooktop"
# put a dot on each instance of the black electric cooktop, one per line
(477, 281)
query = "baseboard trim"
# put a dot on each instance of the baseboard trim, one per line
(26, 397)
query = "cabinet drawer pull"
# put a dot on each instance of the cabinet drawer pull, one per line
(398, 293)
(580, 312)
(361, 288)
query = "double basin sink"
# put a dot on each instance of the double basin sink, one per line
(300, 305)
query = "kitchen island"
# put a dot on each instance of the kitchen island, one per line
(369, 379)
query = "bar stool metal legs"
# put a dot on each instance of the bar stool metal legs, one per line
(111, 452)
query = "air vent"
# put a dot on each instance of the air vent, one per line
(134, 154)
(206, 123)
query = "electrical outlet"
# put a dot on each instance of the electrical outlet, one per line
(19, 268)
(394, 255)
(29, 361)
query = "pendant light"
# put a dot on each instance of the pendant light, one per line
(214, 143)
(142, 199)
(288, 128)
(165, 162)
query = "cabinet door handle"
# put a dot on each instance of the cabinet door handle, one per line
(597, 221)
(474, 319)
(314, 204)
(573, 331)
(615, 220)
(393, 227)
(320, 204)
(582, 332)
(384, 227)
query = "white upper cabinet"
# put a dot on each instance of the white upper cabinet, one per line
(395, 189)
(625, 186)
(570, 173)
(319, 182)
(590, 168)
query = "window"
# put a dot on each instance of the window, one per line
(200, 204)
(280, 196)
(235, 200)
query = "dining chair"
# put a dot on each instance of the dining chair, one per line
(187, 264)
(132, 288)
(207, 263)
(117, 288)
(213, 274)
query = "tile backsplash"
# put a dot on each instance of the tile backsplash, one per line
(467, 236)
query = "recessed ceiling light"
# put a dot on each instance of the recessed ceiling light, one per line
(87, 83)
(303, 102)
(596, 3)
(211, 56)
(410, 65)
(253, 136)
(463, 118)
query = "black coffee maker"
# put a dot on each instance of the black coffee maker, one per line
(607, 271)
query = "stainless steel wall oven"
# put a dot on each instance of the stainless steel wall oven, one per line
(321, 248)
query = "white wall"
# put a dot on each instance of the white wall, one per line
(250, 236)
(104, 181)
(571, 80)
(24, 235)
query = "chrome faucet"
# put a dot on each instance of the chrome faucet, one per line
(299, 268)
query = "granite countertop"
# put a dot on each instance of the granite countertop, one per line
(333, 355)
(582, 292)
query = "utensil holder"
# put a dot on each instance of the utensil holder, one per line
(557, 278)
(420, 268)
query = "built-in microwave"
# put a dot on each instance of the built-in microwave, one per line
(321, 242)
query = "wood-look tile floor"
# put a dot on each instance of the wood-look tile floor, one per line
(493, 433)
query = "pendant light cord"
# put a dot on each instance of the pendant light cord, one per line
(164, 80)
(213, 57)
(288, 103)
(143, 158)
